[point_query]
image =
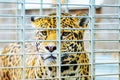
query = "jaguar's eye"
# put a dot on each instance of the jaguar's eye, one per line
(44, 33)
(66, 33)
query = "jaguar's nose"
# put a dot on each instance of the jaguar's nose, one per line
(51, 48)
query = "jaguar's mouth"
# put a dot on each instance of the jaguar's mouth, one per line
(50, 57)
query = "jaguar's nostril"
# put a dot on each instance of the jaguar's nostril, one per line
(51, 48)
(54, 48)
(47, 47)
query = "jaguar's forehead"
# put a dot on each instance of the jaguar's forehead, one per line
(66, 21)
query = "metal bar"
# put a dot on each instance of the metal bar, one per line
(102, 5)
(12, 67)
(107, 5)
(56, 40)
(58, 11)
(32, 40)
(4, 9)
(10, 15)
(40, 53)
(107, 63)
(106, 75)
(112, 29)
(11, 2)
(41, 6)
(105, 51)
(117, 29)
(66, 6)
(23, 37)
(102, 51)
(17, 22)
(119, 39)
(97, 16)
(56, 16)
(92, 14)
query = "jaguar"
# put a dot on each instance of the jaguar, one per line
(58, 52)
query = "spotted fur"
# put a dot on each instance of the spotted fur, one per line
(42, 57)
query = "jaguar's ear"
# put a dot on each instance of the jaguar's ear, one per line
(35, 21)
(83, 19)
(32, 18)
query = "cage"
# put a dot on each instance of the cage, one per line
(101, 38)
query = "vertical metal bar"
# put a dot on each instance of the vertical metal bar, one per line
(41, 6)
(66, 6)
(23, 36)
(58, 11)
(18, 35)
(92, 14)
(17, 20)
(119, 39)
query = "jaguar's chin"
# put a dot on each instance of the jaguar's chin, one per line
(50, 60)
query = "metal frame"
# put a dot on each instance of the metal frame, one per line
(21, 20)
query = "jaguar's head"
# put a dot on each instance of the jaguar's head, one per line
(57, 36)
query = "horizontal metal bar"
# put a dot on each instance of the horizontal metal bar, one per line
(29, 54)
(107, 5)
(107, 23)
(41, 78)
(107, 63)
(102, 5)
(106, 40)
(100, 40)
(10, 15)
(108, 14)
(11, 54)
(10, 41)
(81, 5)
(56, 40)
(48, 78)
(106, 50)
(11, 2)
(106, 75)
(101, 23)
(107, 17)
(106, 29)
(63, 29)
(71, 29)
(57, 4)
(4, 9)
(11, 28)
(57, 28)
(62, 53)
(42, 16)
(70, 40)
(75, 76)
(12, 67)
(39, 53)
(60, 77)
(57, 65)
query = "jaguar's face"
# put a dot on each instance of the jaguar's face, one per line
(48, 47)
(56, 40)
